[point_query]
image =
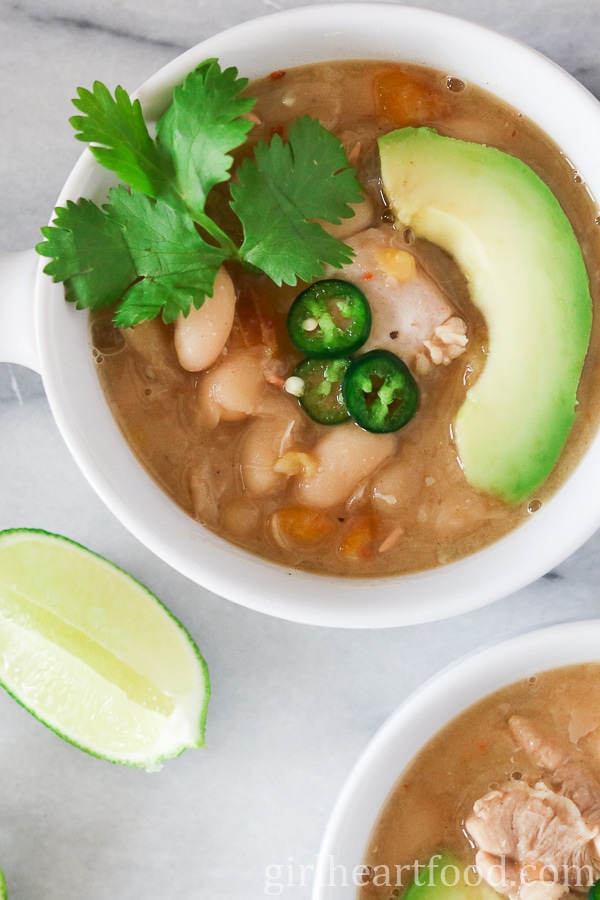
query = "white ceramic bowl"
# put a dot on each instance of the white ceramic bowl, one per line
(441, 699)
(50, 336)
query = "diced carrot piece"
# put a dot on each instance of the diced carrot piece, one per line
(357, 543)
(302, 525)
(406, 100)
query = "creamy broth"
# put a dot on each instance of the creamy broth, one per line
(476, 753)
(415, 511)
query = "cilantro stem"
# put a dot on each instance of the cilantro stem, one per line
(223, 239)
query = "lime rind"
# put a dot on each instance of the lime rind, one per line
(105, 707)
(3, 888)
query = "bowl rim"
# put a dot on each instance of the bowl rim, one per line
(515, 560)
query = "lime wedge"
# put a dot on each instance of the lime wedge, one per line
(3, 891)
(94, 655)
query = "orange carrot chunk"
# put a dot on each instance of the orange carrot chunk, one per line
(301, 526)
(357, 543)
(406, 100)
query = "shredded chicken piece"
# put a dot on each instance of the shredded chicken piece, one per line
(538, 842)
(411, 316)
(447, 342)
(575, 779)
(354, 153)
(542, 890)
(309, 97)
(535, 826)
(391, 540)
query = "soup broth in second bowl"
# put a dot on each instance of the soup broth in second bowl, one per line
(513, 783)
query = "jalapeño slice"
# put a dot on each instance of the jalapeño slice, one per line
(330, 318)
(322, 397)
(380, 392)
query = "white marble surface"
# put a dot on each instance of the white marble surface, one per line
(292, 706)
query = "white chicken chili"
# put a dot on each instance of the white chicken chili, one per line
(215, 406)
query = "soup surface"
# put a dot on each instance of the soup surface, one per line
(236, 451)
(512, 771)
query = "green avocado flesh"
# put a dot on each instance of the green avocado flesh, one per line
(514, 244)
(445, 878)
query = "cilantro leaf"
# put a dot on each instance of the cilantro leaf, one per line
(135, 248)
(171, 294)
(281, 190)
(176, 264)
(161, 241)
(202, 126)
(89, 253)
(120, 141)
(146, 250)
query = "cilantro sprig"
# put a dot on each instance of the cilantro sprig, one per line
(152, 248)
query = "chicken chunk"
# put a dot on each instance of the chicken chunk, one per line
(535, 826)
(411, 316)
(535, 842)
(575, 779)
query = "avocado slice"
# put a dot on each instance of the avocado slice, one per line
(525, 271)
(444, 877)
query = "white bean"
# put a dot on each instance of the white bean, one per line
(345, 457)
(201, 336)
(241, 516)
(265, 441)
(233, 389)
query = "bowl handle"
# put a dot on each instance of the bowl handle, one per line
(18, 342)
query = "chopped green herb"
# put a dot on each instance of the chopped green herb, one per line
(199, 137)
(152, 249)
(90, 254)
(277, 194)
(166, 250)
(120, 141)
